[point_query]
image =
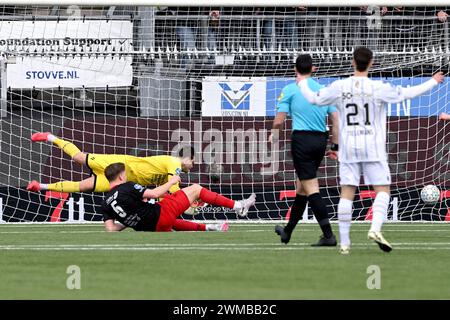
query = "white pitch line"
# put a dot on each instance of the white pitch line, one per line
(49, 225)
(270, 244)
(200, 248)
(147, 248)
(410, 230)
(250, 246)
(151, 245)
(233, 231)
(361, 224)
(102, 231)
(300, 230)
(47, 232)
(157, 245)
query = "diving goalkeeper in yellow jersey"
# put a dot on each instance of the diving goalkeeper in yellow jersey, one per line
(155, 170)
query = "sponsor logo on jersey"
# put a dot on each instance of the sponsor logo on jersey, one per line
(111, 198)
(138, 187)
(347, 95)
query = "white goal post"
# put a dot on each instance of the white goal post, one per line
(146, 78)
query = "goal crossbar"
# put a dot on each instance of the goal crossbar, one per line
(284, 3)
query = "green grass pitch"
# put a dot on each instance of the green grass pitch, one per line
(248, 262)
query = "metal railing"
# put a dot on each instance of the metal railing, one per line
(255, 34)
(175, 35)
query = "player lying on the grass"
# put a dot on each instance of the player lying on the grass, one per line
(154, 170)
(444, 116)
(361, 104)
(127, 203)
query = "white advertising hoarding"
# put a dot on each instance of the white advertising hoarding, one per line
(71, 37)
(233, 96)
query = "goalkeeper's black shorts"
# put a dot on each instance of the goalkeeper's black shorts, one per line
(308, 150)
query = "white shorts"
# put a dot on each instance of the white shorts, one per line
(375, 173)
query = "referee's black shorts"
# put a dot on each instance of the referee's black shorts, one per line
(308, 149)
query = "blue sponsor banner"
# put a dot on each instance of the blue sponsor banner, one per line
(429, 104)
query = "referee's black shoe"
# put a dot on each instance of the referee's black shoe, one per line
(325, 242)
(284, 236)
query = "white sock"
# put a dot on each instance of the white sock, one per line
(345, 220)
(51, 138)
(212, 227)
(380, 208)
(43, 186)
(237, 205)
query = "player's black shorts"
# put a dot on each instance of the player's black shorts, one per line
(308, 149)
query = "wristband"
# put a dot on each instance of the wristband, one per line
(334, 147)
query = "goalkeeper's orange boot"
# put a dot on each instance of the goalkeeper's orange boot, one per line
(34, 186)
(40, 136)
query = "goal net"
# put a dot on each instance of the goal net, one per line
(154, 80)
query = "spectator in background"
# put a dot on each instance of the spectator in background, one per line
(370, 30)
(372, 9)
(417, 32)
(188, 29)
(440, 13)
(238, 29)
(345, 30)
(213, 29)
(288, 37)
(442, 16)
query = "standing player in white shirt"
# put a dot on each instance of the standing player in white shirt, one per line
(361, 103)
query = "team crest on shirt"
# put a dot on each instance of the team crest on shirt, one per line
(178, 171)
(281, 96)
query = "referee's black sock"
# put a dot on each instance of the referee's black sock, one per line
(297, 210)
(320, 212)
